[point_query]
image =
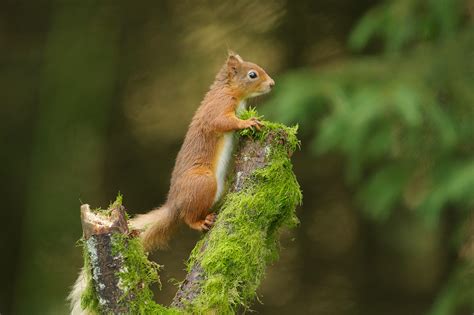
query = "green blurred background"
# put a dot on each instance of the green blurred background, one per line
(96, 97)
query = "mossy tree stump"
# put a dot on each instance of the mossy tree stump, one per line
(227, 265)
(99, 229)
(118, 273)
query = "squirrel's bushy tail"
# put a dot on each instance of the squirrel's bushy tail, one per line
(156, 226)
(74, 297)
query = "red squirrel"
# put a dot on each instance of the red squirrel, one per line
(198, 177)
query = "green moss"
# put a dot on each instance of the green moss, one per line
(238, 251)
(292, 142)
(137, 276)
(115, 204)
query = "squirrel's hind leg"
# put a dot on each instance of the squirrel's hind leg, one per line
(201, 187)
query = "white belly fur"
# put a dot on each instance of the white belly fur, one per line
(224, 157)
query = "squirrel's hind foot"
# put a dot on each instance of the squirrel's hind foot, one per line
(208, 222)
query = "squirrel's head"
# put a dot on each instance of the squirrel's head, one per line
(246, 77)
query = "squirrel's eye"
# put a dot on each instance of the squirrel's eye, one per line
(252, 74)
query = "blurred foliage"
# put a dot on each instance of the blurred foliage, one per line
(97, 96)
(404, 22)
(403, 118)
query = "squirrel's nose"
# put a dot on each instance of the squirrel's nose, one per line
(271, 84)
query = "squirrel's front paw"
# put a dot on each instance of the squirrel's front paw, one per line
(252, 122)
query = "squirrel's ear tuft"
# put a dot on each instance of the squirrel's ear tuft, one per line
(232, 53)
(233, 62)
